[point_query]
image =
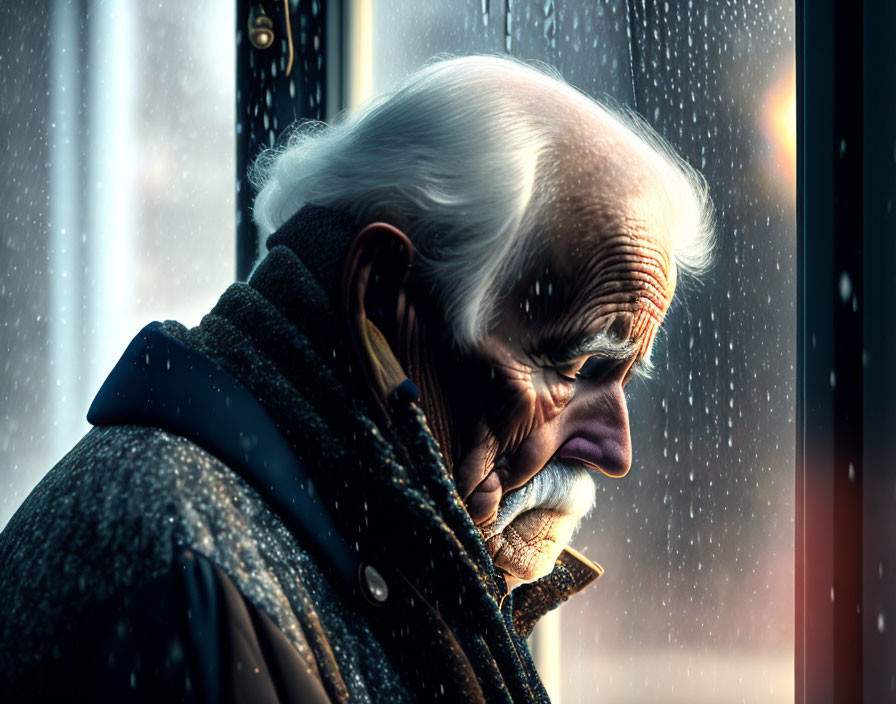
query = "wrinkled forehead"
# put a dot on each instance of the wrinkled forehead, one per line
(594, 242)
(602, 273)
(620, 280)
(613, 198)
(606, 267)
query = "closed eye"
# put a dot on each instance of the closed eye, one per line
(596, 367)
(589, 368)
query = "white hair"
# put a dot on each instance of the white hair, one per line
(464, 154)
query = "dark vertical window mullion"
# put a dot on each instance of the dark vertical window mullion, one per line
(271, 95)
(848, 323)
(879, 336)
(829, 466)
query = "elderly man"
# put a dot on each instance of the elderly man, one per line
(356, 479)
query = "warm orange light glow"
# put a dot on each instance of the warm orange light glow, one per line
(780, 126)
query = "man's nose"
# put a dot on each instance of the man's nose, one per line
(598, 432)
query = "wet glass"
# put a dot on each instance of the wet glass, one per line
(697, 541)
(117, 201)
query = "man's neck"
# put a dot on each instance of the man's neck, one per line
(414, 360)
(422, 371)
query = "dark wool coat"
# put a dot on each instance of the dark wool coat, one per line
(238, 528)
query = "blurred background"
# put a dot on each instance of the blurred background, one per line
(118, 208)
(117, 123)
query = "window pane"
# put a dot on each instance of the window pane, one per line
(126, 110)
(697, 601)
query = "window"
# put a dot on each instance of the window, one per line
(120, 125)
(118, 201)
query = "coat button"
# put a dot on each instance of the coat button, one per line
(373, 585)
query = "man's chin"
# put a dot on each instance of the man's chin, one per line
(529, 546)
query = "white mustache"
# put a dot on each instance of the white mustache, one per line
(560, 486)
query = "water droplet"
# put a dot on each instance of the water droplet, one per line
(845, 287)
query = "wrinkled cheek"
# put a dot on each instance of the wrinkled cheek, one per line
(551, 401)
(482, 504)
(512, 415)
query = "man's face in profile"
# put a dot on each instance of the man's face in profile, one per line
(567, 340)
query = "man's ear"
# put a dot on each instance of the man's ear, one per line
(374, 290)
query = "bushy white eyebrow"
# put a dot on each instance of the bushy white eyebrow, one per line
(601, 345)
(609, 347)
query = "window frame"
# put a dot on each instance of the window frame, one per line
(829, 369)
(846, 454)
